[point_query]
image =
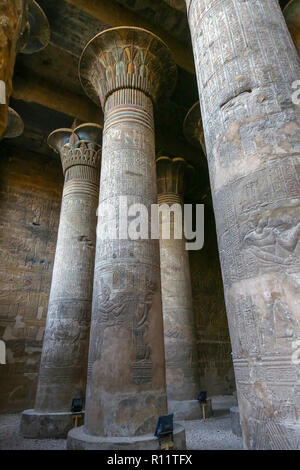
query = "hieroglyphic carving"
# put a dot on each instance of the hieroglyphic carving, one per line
(257, 240)
(275, 243)
(30, 201)
(142, 364)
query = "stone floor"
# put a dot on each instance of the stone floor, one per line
(211, 434)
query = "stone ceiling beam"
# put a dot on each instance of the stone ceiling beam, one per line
(37, 91)
(120, 16)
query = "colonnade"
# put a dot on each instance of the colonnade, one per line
(246, 64)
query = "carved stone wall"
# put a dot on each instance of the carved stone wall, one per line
(30, 198)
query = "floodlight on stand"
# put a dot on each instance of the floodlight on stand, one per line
(202, 397)
(76, 408)
(77, 405)
(164, 432)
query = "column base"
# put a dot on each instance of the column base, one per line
(42, 425)
(78, 439)
(235, 421)
(188, 410)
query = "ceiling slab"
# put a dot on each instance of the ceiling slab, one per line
(110, 12)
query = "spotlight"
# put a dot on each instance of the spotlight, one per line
(76, 408)
(77, 405)
(164, 432)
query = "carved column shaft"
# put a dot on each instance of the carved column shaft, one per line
(127, 68)
(126, 348)
(246, 64)
(63, 367)
(179, 329)
(64, 357)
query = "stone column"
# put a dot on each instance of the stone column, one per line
(292, 17)
(23, 28)
(182, 373)
(246, 63)
(64, 357)
(126, 68)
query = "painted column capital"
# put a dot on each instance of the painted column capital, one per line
(14, 126)
(79, 146)
(126, 58)
(291, 13)
(170, 178)
(35, 34)
(64, 356)
(193, 127)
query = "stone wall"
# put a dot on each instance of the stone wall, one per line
(30, 196)
(214, 348)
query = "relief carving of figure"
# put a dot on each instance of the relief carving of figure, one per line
(112, 309)
(273, 243)
(140, 328)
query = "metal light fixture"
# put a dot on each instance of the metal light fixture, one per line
(164, 432)
(77, 405)
(202, 398)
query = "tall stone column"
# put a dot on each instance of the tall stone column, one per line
(64, 357)
(246, 63)
(126, 69)
(23, 28)
(182, 373)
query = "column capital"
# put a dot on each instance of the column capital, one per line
(291, 14)
(23, 27)
(79, 146)
(126, 58)
(36, 33)
(170, 178)
(193, 127)
(15, 125)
